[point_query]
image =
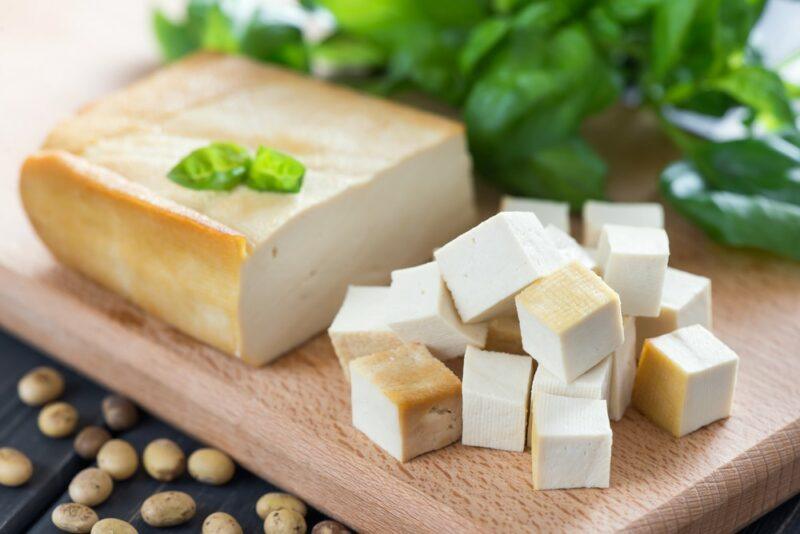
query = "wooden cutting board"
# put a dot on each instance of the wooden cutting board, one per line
(290, 422)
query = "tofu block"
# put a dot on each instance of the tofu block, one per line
(685, 300)
(547, 211)
(360, 328)
(569, 321)
(593, 384)
(597, 213)
(570, 442)
(634, 262)
(504, 336)
(488, 265)
(623, 371)
(685, 380)
(495, 391)
(251, 273)
(569, 248)
(406, 401)
(419, 308)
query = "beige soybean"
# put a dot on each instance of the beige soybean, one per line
(89, 440)
(221, 523)
(40, 386)
(119, 412)
(113, 526)
(330, 527)
(211, 466)
(118, 458)
(74, 517)
(284, 522)
(91, 487)
(168, 508)
(269, 502)
(163, 460)
(58, 419)
(15, 468)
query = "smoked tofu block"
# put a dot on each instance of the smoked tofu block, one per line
(504, 336)
(406, 401)
(495, 390)
(359, 328)
(597, 213)
(623, 371)
(569, 248)
(547, 211)
(593, 384)
(685, 300)
(634, 264)
(488, 265)
(569, 321)
(685, 380)
(251, 273)
(570, 442)
(419, 308)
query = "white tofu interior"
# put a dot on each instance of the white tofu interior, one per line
(623, 371)
(569, 248)
(548, 211)
(593, 384)
(597, 213)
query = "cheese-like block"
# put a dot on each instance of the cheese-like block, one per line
(569, 321)
(406, 401)
(547, 211)
(251, 273)
(685, 300)
(593, 384)
(569, 248)
(634, 262)
(360, 328)
(495, 391)
(597, 213)
(685, 380)
(570, 442)
(623, 371)
(419, 308)
(488, 265)
(504, 336)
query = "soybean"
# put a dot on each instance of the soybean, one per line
(118, 458)
(330, 527)
(40, 386)
(284, 522)
(269, 502)
(168, 508)
(113, 526)
(164, 460)
(15, 468)
(211, 466)
(119, 413)
(73, 517)
(221, 523)
(91, 487)
(89, 440)
(58, 419)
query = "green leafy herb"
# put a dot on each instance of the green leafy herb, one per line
(218, 166)
(275, 171)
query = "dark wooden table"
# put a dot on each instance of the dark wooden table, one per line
(28, 509)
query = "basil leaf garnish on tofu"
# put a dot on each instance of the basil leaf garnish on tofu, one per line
(219, 166)
(275, 171)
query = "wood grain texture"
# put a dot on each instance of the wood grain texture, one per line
(290, 422)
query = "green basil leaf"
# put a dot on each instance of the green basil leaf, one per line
(481, 41)
(219, 32)
(175, 39)
(671, 24)
(732, 218)
(275, 171)
(342, 54)
(760, 89)
(274, 42)
(219, 166)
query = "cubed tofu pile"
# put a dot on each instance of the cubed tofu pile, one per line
(557, 339)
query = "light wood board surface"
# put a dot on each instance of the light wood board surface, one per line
(290, 422)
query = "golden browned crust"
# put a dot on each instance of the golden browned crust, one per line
(174, 263)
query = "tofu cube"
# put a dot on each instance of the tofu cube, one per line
(685, 380)
(359, 327)
(569, 321)
(489, 264)
(597, 214)
(495, 390)
(634, 263)
(569, 248)
(419, 309)
(406, 401)
(685, 300)
(623, 371)
(570, 442)
(547, 211)
(504, 336)
(593, 384)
